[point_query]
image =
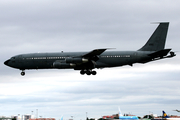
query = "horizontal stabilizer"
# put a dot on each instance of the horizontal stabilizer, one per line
(160, 53)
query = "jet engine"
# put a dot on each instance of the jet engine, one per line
(58, 64)
(76, 60)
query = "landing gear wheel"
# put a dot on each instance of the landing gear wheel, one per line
(93, 72)
(22, 73)
(88, 72)
(82, 72)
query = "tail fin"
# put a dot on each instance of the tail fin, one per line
(158, 39)
(120, 114)
(62, 117)
(165, 115)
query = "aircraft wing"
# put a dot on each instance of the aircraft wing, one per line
(92, 58)
(94, 53)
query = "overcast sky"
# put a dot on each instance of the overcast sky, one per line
(29, 26)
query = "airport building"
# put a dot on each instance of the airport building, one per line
(110, 116)
(24, 117)
(115, 116)
(43, 119)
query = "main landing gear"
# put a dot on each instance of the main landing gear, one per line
(88, 72)
(22, 73)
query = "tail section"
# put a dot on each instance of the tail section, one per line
(62, 117)
(158, 39)
(120, 114)
(165, 115)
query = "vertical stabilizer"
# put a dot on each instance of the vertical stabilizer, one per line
(158, 39)
(120, 114)
(62, 117)
(165, 115)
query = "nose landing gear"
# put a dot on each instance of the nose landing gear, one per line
(22, 73)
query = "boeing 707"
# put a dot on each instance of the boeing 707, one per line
(86, 62)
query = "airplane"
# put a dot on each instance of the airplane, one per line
(85, 62)
(177, 110)
(165, 116)
(127, 117)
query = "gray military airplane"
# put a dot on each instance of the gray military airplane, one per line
(97, 58)
(177, 110)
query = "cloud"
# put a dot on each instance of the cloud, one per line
(54, 26)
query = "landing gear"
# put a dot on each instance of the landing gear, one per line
(88, 72)
(93, 72)
(22, 73)
(82, 72)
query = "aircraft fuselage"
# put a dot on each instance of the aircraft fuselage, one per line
(49, 60)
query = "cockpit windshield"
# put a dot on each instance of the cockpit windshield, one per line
(13, 58)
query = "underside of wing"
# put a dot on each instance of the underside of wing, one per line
(92, 58)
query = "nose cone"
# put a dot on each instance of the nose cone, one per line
(7, 62)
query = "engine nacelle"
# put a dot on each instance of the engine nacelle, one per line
(172, 54)
(58, 64)
(76, 60)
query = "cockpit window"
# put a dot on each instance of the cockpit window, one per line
(13, 58)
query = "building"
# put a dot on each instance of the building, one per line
(43, 119)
